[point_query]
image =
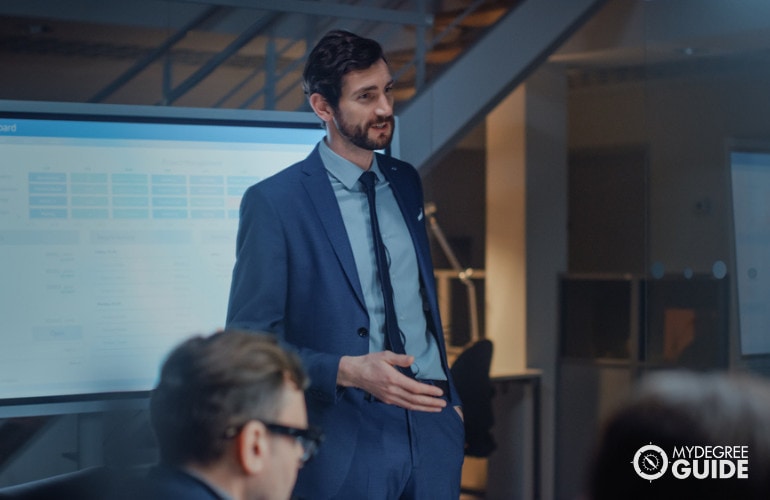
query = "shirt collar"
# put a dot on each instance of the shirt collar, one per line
(345, 170)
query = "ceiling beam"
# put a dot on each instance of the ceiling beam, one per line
(255, 29)
(156, 53)
(331, 9)
(432, 122)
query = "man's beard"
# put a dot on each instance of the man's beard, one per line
(359, 135)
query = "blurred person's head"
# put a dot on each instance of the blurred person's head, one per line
(696, 420)
(230, 407)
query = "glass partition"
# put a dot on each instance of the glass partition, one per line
(667, 173)
(669, 182)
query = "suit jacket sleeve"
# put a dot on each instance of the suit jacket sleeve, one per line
(259, 295)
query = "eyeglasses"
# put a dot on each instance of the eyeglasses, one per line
(310, 439)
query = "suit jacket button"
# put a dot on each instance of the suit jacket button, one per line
(363, 332)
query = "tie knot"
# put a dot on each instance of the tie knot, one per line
(368, 179)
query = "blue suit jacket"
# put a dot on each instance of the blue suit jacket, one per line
(295, 276)
(164, 483)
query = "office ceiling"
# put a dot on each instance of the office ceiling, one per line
(216, 53)
(649, 38)
(248, 53)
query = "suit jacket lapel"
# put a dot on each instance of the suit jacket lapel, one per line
(411, 209)
(411, 204)
(319, 190)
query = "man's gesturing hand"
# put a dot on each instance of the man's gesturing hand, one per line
(376, 374)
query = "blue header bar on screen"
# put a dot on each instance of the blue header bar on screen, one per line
(270, 133)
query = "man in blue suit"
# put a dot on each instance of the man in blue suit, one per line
(307, 271)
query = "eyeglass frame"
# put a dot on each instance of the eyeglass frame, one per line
(310, 439)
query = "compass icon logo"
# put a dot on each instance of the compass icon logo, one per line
(650, 462)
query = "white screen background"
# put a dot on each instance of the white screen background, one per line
(113, 250)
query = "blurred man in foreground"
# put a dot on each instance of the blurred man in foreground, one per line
(230, 420)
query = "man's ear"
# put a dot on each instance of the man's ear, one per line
(321, 107)
(252, 447)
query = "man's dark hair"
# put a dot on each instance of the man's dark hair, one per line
(335, 55)
(210, 384)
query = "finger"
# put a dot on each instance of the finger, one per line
(419, 402)
(416, 387)
(404, 360)
(412, 386)
(433, 405)
(430, 406)
(430, 402)
(426, 409)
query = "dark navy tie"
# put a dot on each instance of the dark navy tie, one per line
(392, 333)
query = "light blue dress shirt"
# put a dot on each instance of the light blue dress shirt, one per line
(404, 273)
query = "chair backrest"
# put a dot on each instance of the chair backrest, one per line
(470, 373)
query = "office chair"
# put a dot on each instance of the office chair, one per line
(470, 373)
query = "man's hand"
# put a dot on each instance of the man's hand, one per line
(376, 374)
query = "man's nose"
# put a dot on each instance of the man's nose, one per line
(385, 105)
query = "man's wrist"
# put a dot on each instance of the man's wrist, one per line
(344, 378)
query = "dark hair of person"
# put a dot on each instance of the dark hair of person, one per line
(681, 408)
(335, 55)
(208, 384)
